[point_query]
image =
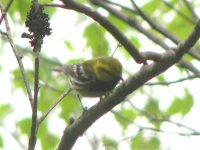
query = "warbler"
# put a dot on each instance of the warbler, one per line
(95, 77)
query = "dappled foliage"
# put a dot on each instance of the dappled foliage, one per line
(165, 104)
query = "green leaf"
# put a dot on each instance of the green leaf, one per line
(18, 80)
(142, 142)
(1, 141)
(152, 107)
(125, 113)
(69, 45)
(161, 78)
(46, 98)
(76, 60)
(175, 107)
(110, 143)
(95, 38)
(118, 23)
(187, 103)
(135, 41)
(181, 105)
(18, 8)
(150, 7)
(5, 109)
(48, 139)
(25, 126)
(68, 106)
(154, 143)
(49, 10)
(180, 24)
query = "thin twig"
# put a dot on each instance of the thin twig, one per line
(191, 39)
(18, 57)
(57, 101)
(191, 9)
(195, 132)
(136, 25)
(34, 127)
(143, 112)
(162, 30)
(133, 22)
(154, 24)
(178, 12)
(15, 135)
(141, 128)
(121, 6)
(94, 141)
(165, 119)
(3, 33)
(73, 131)
(104, 22)
(173, 82)
(5, 10)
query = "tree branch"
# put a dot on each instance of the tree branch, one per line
(34, 127)
(178, 12)
(120, 6)
(107, 25)
(53, 106)
(154, 24)
(3, 12)
(190, 41)
(134, 23)
(169, 58)
(149, 55)
(192, 132)
(38, 26)
(19, 59)
(191, 9)
(165, 119)
(161, 29)
(175, 81)
(15, 136)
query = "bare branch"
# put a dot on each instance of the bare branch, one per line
(165, 119)
(149, 55)
(34, 127)
(192, 132)
(190, 41)
(191, 9)
(53, 106)
(108, 26)
(161, 29)
(169, 58)
(134, 23)
(15, 135)
(53, 5)
(178, 12)
(38, 26)
(19, 60)
(121, 6)
(4, 11)
(154, 24)
(175, 81)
